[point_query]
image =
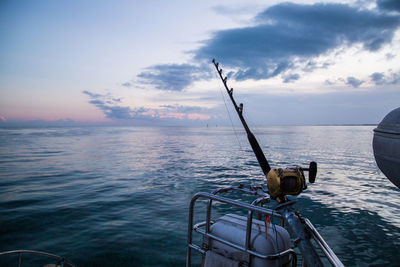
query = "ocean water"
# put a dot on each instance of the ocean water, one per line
(119, 196)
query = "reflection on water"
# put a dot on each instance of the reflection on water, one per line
(113, 196)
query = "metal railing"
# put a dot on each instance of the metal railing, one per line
(330, 255)
(283, 213)
(61, 261)
(251, 210)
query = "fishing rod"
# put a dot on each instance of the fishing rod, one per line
(280, 182)
(262, 161)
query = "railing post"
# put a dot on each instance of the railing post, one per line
(248, 232)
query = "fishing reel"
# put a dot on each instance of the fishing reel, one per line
(290, 181)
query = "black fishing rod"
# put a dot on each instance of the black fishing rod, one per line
(283, 182)
(250, 136)
(280, 182)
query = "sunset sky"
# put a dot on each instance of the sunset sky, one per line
(149, 62)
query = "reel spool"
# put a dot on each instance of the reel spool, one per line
(290, 181)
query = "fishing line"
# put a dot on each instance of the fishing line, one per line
(257, 129)
(229, 115)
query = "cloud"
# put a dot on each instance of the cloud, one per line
(113, 110)
(354, 82)
(377, 78)
(183, 109)
(109, 106)
(185, 112)
(127, 84)
(92, 95)
(291, 78)
(173, 77)
(389, 79)
(329, 82)
(312, 65)
(390, 56)
(291, 36)
(389, 5)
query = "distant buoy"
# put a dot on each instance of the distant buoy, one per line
(386, 145)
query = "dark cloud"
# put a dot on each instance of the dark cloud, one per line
(389, 5)
(165, 113)
(92, 95)
(312, 65)
(127, 84)
(391, 78)
(354, 82)
(96, 102)
(290, 36)
(116, 112)
(377, 78)
(109, 106)
(395, 78)
(285, 39)
(291, 78)
(173, 77)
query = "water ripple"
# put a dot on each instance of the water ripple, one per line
(115, 196)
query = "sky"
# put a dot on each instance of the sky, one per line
(149, 62)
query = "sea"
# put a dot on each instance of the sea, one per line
(119, 196)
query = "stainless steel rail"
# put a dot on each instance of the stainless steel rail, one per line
(61, 260)
(249, 207)
(333, 259)
(300, 227)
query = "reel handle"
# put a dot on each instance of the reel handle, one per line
(312, 171)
